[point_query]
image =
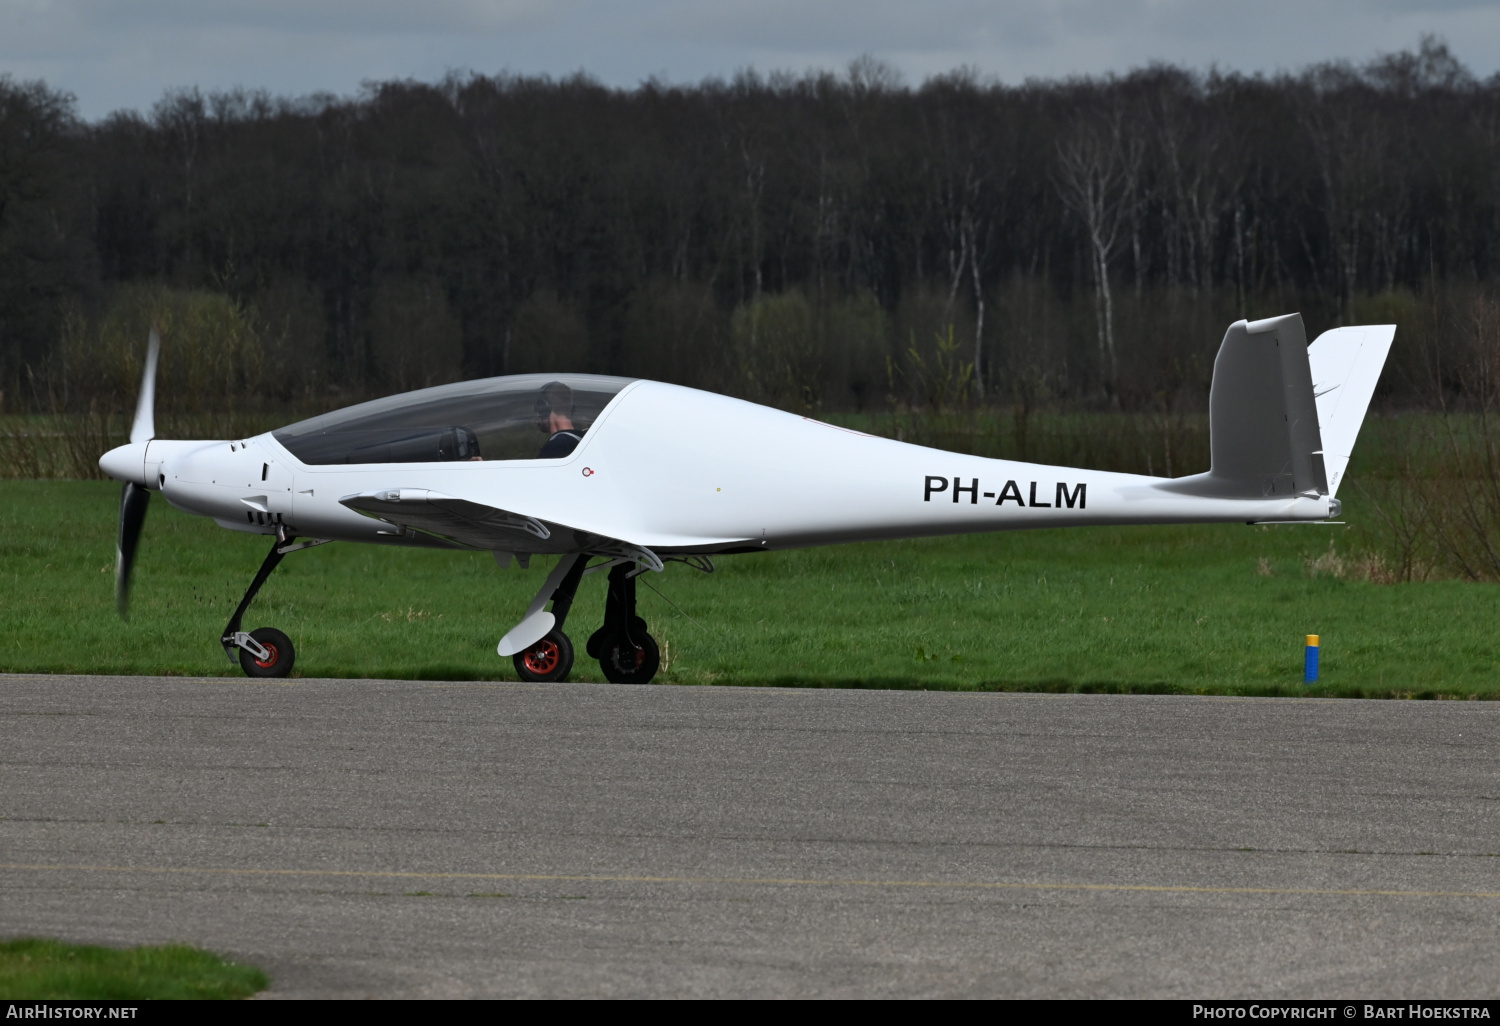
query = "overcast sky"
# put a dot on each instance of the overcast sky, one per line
(126, 53)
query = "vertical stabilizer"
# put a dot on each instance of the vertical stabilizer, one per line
(1346, 364)
(1262, 418)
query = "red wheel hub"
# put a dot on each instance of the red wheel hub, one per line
(542, 658)
(273, 655)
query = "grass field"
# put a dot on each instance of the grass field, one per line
(32, 969)
(1218, 609)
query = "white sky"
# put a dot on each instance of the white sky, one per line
(126, 53)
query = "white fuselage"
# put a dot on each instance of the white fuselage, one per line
(679, 470)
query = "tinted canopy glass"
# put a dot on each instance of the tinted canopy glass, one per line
(519, 417)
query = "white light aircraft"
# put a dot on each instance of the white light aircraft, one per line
(627, 475)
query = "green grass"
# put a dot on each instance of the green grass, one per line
(33, 969)
(1158, 609)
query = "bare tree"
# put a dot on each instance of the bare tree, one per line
(962, 203)
(1201, 179)
(1097, 165)
(1361, 195)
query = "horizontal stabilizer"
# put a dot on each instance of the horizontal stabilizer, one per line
(1346, 365)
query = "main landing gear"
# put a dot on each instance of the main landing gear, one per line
(551, 658)
(627, 653)
(265, 651)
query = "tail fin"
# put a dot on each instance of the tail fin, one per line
(1346, 364)
(1262, 416)
(1272, 431)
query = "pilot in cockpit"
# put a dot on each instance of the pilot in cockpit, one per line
(554, 418)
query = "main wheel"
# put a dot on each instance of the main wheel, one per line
(550, 659)
(280, 655)
(632, 660)
(595, 644)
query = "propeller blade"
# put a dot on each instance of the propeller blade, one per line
(133, 499)
(144, 427)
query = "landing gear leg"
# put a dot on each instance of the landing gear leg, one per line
(265, 651)
(562, 598)
(626, 652)
(551, 658)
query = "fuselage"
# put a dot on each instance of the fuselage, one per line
(679, 470)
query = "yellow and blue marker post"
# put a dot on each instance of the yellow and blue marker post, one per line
(1310, 661)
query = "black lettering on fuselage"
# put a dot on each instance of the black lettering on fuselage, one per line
(1074, 497)
(1079, 495)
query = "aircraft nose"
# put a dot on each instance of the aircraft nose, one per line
(126, 463)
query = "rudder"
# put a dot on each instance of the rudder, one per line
(1346, 365)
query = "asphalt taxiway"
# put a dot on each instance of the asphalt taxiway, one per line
(396, 838)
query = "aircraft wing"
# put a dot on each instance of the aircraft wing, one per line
(477, 525)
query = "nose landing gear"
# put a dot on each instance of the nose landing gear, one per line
(265, 651)
(276, 657)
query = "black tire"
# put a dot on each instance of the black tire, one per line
(548, 661)
(282, 655)
(627, 663)
(595, 645)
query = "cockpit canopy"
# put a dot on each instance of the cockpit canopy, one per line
(517, 417)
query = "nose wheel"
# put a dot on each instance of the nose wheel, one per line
(265, 651)
(275, 658)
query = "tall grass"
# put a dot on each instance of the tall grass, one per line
(225, 372)
(1133, 443)
(67, 447)
(1439, 505)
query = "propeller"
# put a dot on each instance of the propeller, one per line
(134, 497)
(133, 500)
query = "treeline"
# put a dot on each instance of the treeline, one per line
(822, 242)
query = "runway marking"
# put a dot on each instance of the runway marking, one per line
(752, 881)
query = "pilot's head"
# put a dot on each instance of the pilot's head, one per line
(554, 407)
